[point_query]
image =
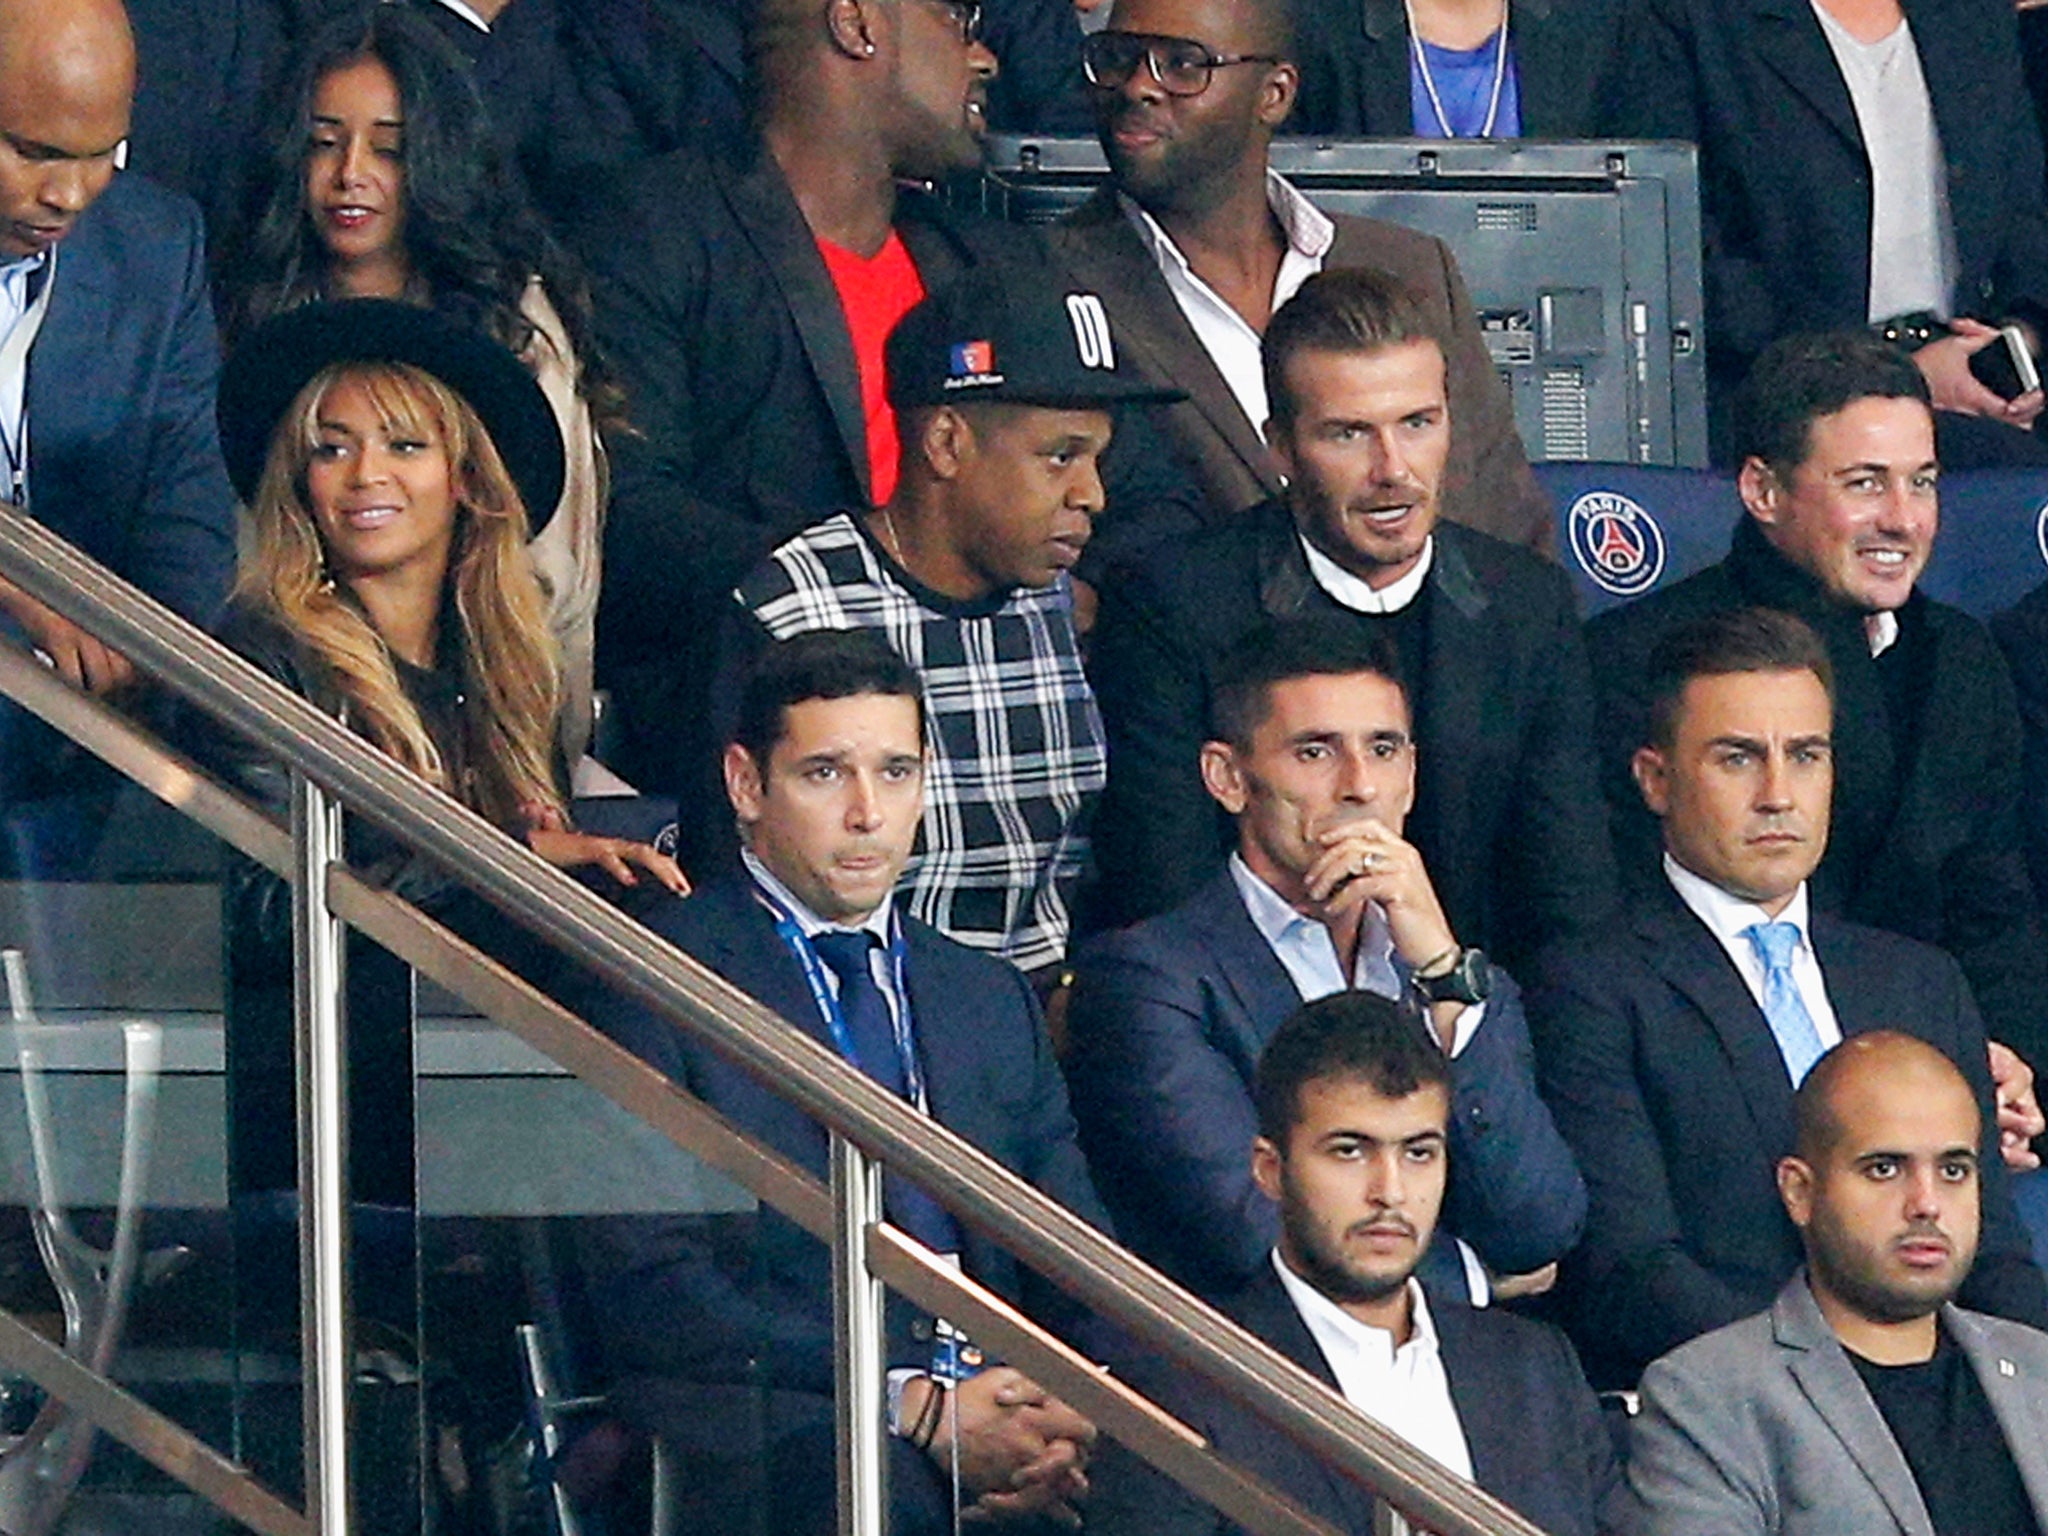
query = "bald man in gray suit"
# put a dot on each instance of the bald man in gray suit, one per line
(1864, 1402)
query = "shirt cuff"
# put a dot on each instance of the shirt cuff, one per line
(1464, 1027)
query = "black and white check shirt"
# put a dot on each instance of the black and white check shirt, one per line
(1018, 756)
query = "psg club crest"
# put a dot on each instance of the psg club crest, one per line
(1617, 543)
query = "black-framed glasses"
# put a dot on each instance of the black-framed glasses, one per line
(967, 14)
(1181, 65)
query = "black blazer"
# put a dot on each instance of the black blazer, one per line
(1165, 1026)
(1487, 483)
(990, 1077)
(716, 307)
(1354, 57)
(1530, 1422)
(1664, 1076)
(1930, 848)
(1785, 183)
(1507, 813)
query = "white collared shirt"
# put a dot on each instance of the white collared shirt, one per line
(876, 924)
(1359, 595)
(1727, 916)
(17, 284)
(1308, 954)
(1881, 630)
(468, 13)
(1403, 1388)
(1232, 345)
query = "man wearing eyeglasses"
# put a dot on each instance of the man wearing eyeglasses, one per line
(1196, 242)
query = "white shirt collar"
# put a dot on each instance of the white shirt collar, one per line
(1309, 231)
(468, 14)
(1881, 629)
(1375, 1346)
(876, 922)
(1728, 915)
(1355, 593)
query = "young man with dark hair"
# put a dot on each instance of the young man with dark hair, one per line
(1004, 384)
(1668, 1049)
(1486, 636)
(1314, 759)
(1838, 480)
(1354, 1109)
(1864, 1400)
(725, 1349)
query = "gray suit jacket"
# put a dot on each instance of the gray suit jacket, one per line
(1487, 484)
(1764, 1426)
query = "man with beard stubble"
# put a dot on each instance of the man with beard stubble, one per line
(1864, 1400)
(1353, 1100)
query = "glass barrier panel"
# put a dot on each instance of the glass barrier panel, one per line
(116, 1238)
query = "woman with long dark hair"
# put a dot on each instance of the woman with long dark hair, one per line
(386, 183)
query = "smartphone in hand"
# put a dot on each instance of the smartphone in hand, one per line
(2006, 367)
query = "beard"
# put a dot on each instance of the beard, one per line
(1318, 1257)
(1854, 1273)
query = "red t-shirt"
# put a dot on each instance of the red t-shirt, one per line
(875, 292)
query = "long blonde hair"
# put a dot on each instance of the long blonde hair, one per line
(509, 668)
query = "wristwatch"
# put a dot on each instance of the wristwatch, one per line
(1468, 981)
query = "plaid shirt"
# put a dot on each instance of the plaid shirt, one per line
(1018, 756)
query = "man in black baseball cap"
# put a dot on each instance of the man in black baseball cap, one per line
(1004, 387)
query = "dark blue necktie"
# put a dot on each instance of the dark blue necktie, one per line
(871, 1030)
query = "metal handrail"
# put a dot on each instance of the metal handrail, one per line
(1038, 1231)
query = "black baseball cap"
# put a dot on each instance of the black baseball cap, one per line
(1020, 335)
(282, 355)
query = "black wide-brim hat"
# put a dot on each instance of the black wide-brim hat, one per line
(281, 356)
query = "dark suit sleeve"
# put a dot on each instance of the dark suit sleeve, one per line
(1515, 1191)
(1053, 1161)
(1557, 853)
(2004, 1281)
(182, 548)
(1644, 1293)
(1167, 1117)
(1990, 921)
(1501, 497)
(2023, 635)
(665, 1304)
(1157, 834)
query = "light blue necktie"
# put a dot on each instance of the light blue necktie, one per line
(1784, 1009)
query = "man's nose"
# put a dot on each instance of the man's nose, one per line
(1355, 781)
(864, 805)
(65, 187)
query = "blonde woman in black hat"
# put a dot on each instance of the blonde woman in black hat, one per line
(387, 457)
(386, 574)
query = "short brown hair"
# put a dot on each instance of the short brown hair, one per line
(1344, 309)
(1734, 640)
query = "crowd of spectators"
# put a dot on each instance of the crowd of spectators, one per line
(1110, 684)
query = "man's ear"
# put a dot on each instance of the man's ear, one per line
(1266, 1168)
(1223, 778)
(1281, 448)
(945, 442)
(1652, 778)
(1758, 486)
(1795, 1188)
(850, 26)
(743, 786)
(1276, 96)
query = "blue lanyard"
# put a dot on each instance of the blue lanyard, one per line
(791, 934)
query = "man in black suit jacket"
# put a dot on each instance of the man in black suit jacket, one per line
(1668, 1049)
(1787, 184)
(1316, 764)
(1195, 243)
(726, 1350)
(1353, 1101)
(1838, 480)
(1507, 812)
